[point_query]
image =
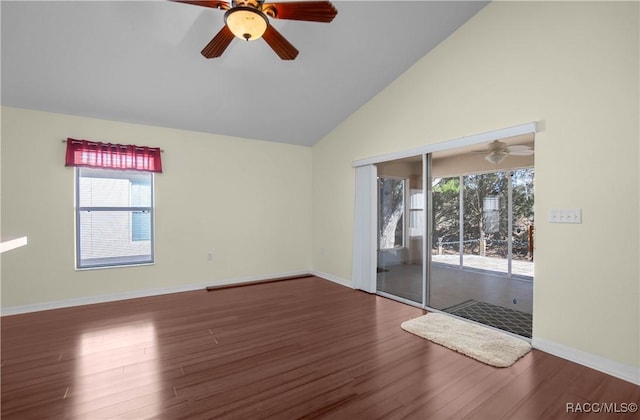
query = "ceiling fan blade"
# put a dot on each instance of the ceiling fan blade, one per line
(313, 11)
(517, 147)
(279, 44)
(219, 43)
(204, 3)
(519, 150)
(523, 152)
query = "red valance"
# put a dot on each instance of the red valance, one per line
(95, 154)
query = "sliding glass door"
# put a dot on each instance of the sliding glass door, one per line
(400, 230)
(480, 231)
(451, 230)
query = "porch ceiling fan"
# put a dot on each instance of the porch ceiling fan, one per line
(497, 151)
(249, 20)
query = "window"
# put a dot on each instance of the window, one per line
(416, 213)
(491, 213)
(114, 217)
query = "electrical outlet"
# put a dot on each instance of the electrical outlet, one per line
(210, 256)
(565, 216)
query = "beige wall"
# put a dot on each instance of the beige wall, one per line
(247, 202)
(573, 66)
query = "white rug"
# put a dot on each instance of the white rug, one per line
(481, 343)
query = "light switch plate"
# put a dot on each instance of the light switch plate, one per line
(565, 215)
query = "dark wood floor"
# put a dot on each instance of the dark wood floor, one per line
(302, 348)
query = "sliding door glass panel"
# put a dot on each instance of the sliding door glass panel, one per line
(481, 231)
(485, 209)
(523, 222)
(391, 210)
(400, 229)
(446, 286)
(445, 245)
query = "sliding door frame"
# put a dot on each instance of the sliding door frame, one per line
(427, 238)
(475, 139)
(362, 264)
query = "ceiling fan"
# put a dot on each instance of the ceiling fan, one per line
(498, 151)
(249, 20)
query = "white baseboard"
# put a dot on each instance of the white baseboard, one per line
(610, 367)
(331, 277)
(112, 297)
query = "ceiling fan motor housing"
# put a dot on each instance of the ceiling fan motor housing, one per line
(256, 4)
(497, 146)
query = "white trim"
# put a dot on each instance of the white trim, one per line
(399, 299)
(112, 297)
(619, 370)
(451, 144)
(439, 311)
(332, 278)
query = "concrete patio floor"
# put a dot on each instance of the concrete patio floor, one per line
(518, 267)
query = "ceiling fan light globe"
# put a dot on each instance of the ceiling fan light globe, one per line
(246, 23)
(495, 158)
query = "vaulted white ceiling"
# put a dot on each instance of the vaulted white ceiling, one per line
(140, 62)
